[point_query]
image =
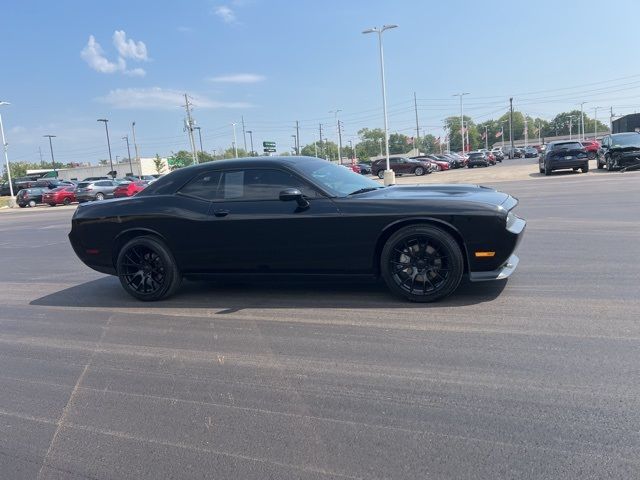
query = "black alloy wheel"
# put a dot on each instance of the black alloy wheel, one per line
(422, 263)
(147, 270)
(591, 155)
(66, 201)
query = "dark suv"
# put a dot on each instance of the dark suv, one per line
(30, 197)
(400, 165)
(619, 150)
(562, 155)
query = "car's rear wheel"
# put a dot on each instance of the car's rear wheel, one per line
(419, 171)
(547, 169)
(21, 205)
(585, 168)
(99, 196)
(52, 204)
(66, 201)
(147, 270)
(421, 263)
(380, 174)
(32, 203)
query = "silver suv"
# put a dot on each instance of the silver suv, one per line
(95, 190)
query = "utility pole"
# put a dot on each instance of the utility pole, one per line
(502, 130)
(611, 121)
(235, 145)
(244, 134)
(526, 131)
(570, 125)
(320, 130)
(582, 118)
(41, 160)
(380, 142)
(190, 126)
(511, 126)
(461, 119)
(415, 107)
(297, 138)
(315, 146)
(250, 132)
(126, 139)
(106, 128)
(486, 137)
(595, 123)
(135, 147)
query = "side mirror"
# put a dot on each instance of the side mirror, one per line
(291, 194)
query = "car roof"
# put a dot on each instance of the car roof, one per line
(621, 134)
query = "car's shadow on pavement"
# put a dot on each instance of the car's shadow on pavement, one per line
(232, 296)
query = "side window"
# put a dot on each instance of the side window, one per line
(261, 184)
(203, 186)
(103, 184)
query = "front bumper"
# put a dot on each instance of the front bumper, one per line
(501, 273)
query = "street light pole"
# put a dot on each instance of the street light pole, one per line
(582, 117)
(595, 123)
(199, 138)
(235, 145)
(126, 138)
(106, 129)
(250, 132)
(486, 137)
(6, 155)
(389, 175)
(339, 142)
(135, 147)
(53, 162)
(461, 118)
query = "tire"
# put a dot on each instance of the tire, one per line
(419, 171)
(609, 165)
(380, 174)
(99, 196)
(421, 253)
(591, 155)
(52, 204)
(66, 201)
(585, 168)
(600, 166)
(32, 203)
(547, 170)
(21, 205)
(147, 270)
(541, 169)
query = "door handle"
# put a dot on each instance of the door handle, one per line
(221, 213)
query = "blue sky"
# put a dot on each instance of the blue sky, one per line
(66, 64)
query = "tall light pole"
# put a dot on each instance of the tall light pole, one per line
(595, 122)
(461, 118)
(582, 117)
(295, 143)
(570, 125)
(135, 147)
(339, 142)
(486, 137)
(126, 139)
(235, 145)
(53, 162)
(250, 132)
(389, 175)
(6, 155)
(380, 140)
(106, 129)
(199, 137)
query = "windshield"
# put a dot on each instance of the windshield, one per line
(629, 140)
(337, 180)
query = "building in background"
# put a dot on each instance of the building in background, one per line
(146, 166)
(628, 123)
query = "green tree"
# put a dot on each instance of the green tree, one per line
(159, 164)
(180, 159)
(455, 139)
(429, 144)
(399, 143)
(371, 143)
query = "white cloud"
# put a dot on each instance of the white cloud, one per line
(93, 54)
(238, 78)
(225, 13)
(129, 48)
(157, 98)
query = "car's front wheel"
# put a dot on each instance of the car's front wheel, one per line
(32, 203)
(380, 174)
(147, 270)
(421, 263)
(99, 196)
(419, 171)
(547, 169)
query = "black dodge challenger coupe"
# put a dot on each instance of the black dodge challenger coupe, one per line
(298, 216)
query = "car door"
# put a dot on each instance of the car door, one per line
(252, 230)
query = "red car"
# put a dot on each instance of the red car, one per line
(129, 189)
(353, 166)
(591, 146)
(63, 195)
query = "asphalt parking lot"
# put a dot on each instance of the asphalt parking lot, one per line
(536, 377)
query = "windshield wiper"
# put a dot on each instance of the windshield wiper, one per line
(364, 190)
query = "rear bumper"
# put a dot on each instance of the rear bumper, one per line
(501, 273)
(575, 163)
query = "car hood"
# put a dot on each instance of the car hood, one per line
(458, 192)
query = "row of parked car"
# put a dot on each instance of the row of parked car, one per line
(425, 164)
(64, 192)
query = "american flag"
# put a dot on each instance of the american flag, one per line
(498, 134)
